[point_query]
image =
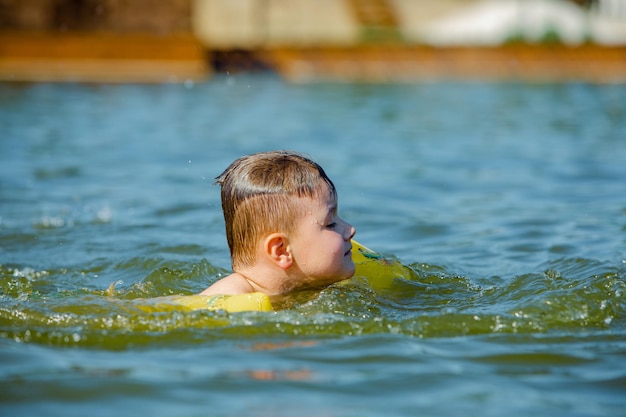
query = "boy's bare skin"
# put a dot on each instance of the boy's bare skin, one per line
(316, 255)
(282, 226)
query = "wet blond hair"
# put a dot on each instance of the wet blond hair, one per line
(260, 196)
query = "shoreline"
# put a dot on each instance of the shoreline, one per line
(525, 63)
(101, 57)
(131, 58)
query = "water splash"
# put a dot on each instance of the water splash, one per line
(424, 301)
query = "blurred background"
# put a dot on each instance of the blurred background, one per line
(479, 142)
(308, 40)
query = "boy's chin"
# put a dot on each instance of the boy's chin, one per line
(347, 274)
(351, 272)
(351, 269)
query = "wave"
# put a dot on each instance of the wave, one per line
(92, 307)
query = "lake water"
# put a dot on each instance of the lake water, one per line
(506, 201)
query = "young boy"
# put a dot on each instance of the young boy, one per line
(282, 226)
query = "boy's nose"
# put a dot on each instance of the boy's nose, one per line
(351, 231)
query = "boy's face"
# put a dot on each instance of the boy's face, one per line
(322, 244)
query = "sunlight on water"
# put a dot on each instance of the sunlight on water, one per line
(423, 302)
(504, 203)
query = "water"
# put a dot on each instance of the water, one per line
(507, 202)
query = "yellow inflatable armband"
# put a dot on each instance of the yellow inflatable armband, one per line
(255, 301)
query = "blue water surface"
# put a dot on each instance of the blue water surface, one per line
(506, 201)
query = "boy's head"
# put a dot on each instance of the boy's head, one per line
(261, 195)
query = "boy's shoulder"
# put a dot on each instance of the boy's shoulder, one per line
(232, 284)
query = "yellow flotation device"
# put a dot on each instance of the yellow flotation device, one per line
(255, 301)
(379, 270)
(368, 264)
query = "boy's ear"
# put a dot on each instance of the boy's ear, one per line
(277, 249)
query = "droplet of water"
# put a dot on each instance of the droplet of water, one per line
(104, 215)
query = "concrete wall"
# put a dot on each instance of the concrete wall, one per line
(229, 24)
(247, 24)
(305, 22)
